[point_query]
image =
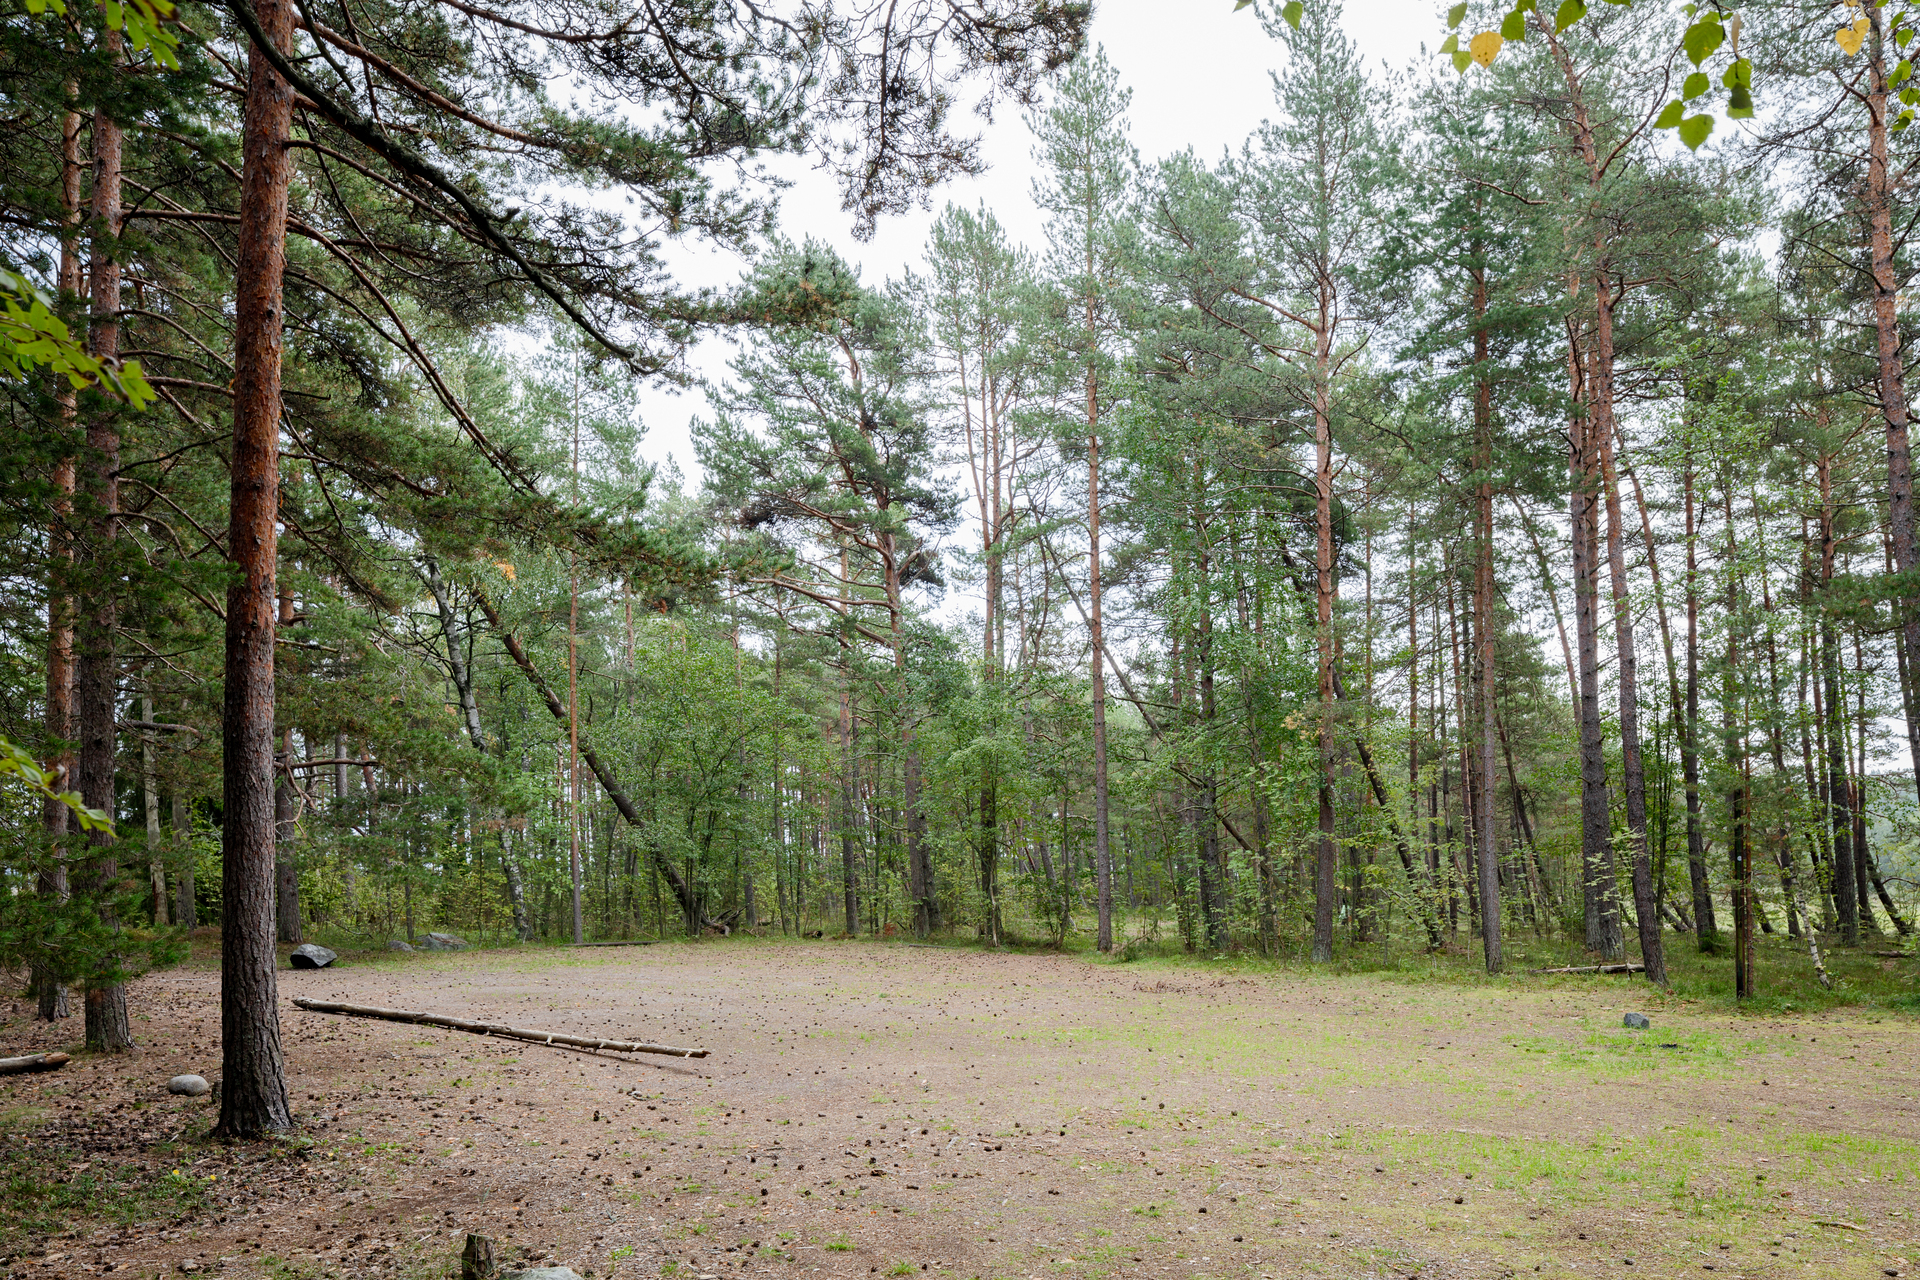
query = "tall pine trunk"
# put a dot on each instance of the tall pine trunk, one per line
(1739, 843)
(150, 803)
(1889, 343)
(920, 881)
(1326, 888)
(1846, 900)
(1596, 826)
(97, 670)
(1096, 637)
(49, 990)
(253, 1093)
(288, 924)
(1489, 867)
(1646, 905)
(1706, 931)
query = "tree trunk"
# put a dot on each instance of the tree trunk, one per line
(253, 1092)
(462, 676)
(920, 883)
(1706, 930)
(288, 923)
(1483, 629)
(1646, 909)
(1866, 873)
(849, 865)
(1889, 343)
(150, 798)
(1326, 888)
(96, 676)
(186, 912)
(1592, 386)
(1596, 826)
(1739, 855)
(1846, 900)
(1679, 697)
(49, 989)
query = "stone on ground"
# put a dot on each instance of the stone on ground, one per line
(445, 942)
(189, 1086)
(542, 1273)
(395, 944)
(1638, 1021)
(311, 955)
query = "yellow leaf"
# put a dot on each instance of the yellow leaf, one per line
(506, 570)
(1849, 39)
(1485, 47)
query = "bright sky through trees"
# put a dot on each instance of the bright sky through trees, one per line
(1200, 75)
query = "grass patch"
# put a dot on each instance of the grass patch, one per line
(1604, 1053)
(50, 1190)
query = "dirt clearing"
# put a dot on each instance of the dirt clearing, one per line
(883, 1110)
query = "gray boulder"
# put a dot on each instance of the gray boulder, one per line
(542, 1273)
(445, 942)
(311, 955)
(397, 945)
(1638, 1021)
(189, 1086)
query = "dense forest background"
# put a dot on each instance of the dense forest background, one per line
(1460, 510)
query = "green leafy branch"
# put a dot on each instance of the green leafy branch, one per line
(1292, 11)
(1707, 30)
(145, 22)
(32, 336)
(1853, 35)
(16, 763)
(1710, 29)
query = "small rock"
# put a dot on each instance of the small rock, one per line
(1638, 1021)
(395, 944)
(311, 955)
(445, 942)
(189, 1087)
(189, 1266)
(542, 1273)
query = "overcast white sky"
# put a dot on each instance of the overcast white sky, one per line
(1199, 74)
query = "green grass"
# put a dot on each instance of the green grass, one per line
(1614, 1053)
(1785, 982)
(46, 1191)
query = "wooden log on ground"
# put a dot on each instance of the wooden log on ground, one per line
(33, 1062)
(493, 1028)
(1630, 966)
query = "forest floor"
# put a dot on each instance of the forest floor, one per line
(884, 1110)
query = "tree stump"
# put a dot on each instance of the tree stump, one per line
(476, 1260)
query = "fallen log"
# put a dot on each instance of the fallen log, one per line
(33, 1062)
(492, 1028)
(1630, 966)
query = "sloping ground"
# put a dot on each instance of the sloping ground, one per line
(880, 1110)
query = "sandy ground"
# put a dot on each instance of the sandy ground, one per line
(874, 1109)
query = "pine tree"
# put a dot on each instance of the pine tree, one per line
(1087, 166)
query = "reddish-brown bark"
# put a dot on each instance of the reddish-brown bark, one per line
(96, 671)
(253, 1097)
(52, 882)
